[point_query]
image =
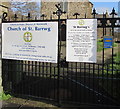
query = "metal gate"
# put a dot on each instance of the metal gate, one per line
(70, 83)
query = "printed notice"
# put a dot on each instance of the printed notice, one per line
(32, 41)
(108, 41)
(81, 40)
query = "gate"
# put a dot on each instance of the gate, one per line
(85, 84)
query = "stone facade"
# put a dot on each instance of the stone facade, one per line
(48, 8)
(83, 8)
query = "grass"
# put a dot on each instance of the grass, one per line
(112, 86)
(99, 46)
(4, 96)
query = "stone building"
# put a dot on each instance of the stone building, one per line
(83, 8)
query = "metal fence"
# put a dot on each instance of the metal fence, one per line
(74, 84)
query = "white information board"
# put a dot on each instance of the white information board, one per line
(81, 40)
(32, 41)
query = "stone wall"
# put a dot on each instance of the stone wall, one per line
(82, 8)
(48, 8)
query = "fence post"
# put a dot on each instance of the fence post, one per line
(113, 13)
(59, 12)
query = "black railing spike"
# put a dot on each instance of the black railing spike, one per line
(113, 12)
(43, 16)
(29, 16)
(94, 13)
(22, 18)
(85, 15)
(15, 17)
(76, 15)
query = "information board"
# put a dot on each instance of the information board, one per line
(81, 40)
(32, 41)
(108, 41)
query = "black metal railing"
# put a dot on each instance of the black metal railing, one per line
(66, 82)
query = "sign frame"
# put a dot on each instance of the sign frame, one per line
(45, 57)
(75, 48)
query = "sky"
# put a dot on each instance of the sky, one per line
(105, 5)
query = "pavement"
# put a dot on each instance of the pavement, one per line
(19, 103)
(28, 104)
(7, 105)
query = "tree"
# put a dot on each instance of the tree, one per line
(23, 8)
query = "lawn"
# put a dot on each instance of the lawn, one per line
(112, 74)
